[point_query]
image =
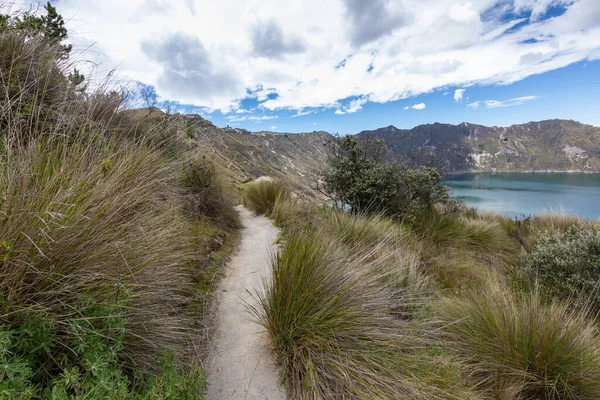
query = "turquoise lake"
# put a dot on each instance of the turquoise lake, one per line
(521, 194)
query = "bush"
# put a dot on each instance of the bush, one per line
(359, 176)
(262, 196)
(37, 363)
(518, 347)
(566, 264)
(529, 229)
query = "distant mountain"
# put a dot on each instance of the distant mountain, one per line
(557, 145)
(299, 158)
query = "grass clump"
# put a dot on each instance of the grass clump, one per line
(519, 347)
(207, 196)
(344, 325)
(461, 251)
(262, 196)
(331, 329)
(284, 210)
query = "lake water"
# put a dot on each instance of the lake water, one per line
(521, 194)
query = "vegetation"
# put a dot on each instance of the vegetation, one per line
(101, 214)
(360, 176)
(518, 347)
(449, 303)
(113, 232)
(262, 196)
(567, 265)
(342, 320)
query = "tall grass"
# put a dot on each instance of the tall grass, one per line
(345, 324)
(518, 347)
(207, 195)
(462, 251)
(332, 327)
(284, 210)
(94, 209)
(262, 196)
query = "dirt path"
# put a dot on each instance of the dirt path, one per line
(242, 365)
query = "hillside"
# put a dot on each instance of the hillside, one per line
(562, 145)
(552, 145)
(296, 157)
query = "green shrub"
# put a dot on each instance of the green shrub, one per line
(519, 347)
(567, 264)
(360, 176)
(262, 196)
(38, 362)
(528, 230)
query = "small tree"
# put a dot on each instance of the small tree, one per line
(50, 26)
(360, 176)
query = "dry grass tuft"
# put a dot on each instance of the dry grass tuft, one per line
(262, 196)
(518, 347)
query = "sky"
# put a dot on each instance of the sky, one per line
(348, 65)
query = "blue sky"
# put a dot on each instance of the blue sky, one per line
(571, 92)
(348, 65)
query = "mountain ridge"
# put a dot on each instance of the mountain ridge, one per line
(537, 146)
(557, 145)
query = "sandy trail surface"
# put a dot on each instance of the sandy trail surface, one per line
(242, 364)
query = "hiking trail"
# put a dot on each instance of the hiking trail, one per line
(242, 364)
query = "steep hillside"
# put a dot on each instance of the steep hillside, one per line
(296, 157)
(547, 145)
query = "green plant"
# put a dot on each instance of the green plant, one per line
(517, 346)
(360, 176)
(262, 196)
(92, 206)
(566, 264)
(51, 27)
(284, 210)
(38, 362)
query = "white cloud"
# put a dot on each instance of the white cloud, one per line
(301, 113)
(236, 118)
(474, 105)
(201, 53)
(406, 108)
(273, 127)
(458, 95)
(352, 106)
(420, 106)
(509, 103)
(537, 7)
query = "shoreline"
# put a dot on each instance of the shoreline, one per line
(542, 171)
